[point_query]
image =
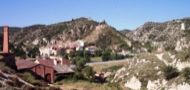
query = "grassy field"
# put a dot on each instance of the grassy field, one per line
(85, 85)
(96, 59)
(99, 67)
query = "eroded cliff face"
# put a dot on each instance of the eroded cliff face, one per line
(162, 35)
(145, 71)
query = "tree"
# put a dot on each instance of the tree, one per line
(72, 54)
(33, 51)
(89, 73)
(80, 53)
(82, 71)
(79, 62)
(98, 53)
(106, 55)
(63, 54)
(113, 56)
(87, 56)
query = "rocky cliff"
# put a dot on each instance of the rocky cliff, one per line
(170, 34)
(153, 71)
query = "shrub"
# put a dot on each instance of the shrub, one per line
(148, 47)
(106, 55)
(170, 72)
(78, 75)
(169, 48)
(64, 76)
(39, 83)
(119, 56)
(186, 74)
(98, 53)
(29, 77)
(112, 68)
(114, 86)
(89, 73)
(113, 56)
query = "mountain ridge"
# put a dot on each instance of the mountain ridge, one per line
(162, 35)
(76, 29)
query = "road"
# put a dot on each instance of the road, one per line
(107, 62)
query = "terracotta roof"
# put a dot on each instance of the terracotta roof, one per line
(24, 64)
(46, 62)
(63, 69)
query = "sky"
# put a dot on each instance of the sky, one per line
(121, 14)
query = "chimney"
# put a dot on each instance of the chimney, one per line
(6, 40)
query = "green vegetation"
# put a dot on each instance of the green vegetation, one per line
(33, 51)
(106, 55)
(85, 85)
(98, 53)
(112, 68)
(186, 74)
(109, 36)
(96, 59)
(148, 46)
(82, 72)
(18, 50)
(40, 84)
(83, 54)
(170, 72)
(29, 77)
(89, 73)
(148, 56)
(114, 86)
(169, 48)
(183, 55)
(124, 46)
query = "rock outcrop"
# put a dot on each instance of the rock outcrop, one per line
(163, 35)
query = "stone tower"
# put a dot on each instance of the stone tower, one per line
(6, 39)
(9, 58)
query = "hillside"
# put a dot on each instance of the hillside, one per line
(167, 35)
(124, 31)
(70, 30)
(151, 71)
(106, 36)
(80, 28)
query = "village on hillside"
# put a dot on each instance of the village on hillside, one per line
(57, 60)
(103, 60)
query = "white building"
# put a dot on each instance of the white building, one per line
(47, 51)
(91, 49)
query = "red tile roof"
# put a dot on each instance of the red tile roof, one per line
(25, 64)
(48, 63)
